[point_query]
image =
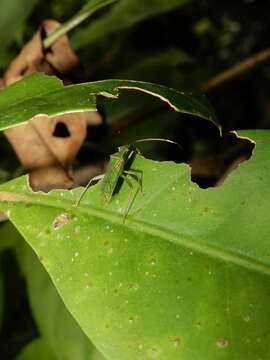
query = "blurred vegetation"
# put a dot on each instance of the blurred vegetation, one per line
(178, 43)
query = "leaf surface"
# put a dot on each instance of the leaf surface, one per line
(40, 94)
(60, 330)
(186, 276)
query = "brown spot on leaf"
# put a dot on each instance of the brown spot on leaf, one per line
(222, 343)
(12, 196)
(59, 221)
(176, 342)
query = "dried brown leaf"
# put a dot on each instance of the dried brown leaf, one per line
(47, 146)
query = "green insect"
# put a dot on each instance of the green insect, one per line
(116, 170)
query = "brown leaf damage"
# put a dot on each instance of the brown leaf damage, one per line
(12, 196)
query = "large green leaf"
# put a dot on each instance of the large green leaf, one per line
(60, 332)
(186, 276)
(124, 14)
(40, 94)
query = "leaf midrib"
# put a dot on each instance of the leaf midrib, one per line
(159, 231)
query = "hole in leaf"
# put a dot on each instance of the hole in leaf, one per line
(213, 169)
(61, 130)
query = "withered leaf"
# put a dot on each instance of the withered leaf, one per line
(47, 146)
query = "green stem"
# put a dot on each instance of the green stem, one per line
(84, 13)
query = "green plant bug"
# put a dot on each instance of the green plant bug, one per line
(116, 170)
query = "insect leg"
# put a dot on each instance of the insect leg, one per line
(137, 174)
(98, 177)
(131, 198)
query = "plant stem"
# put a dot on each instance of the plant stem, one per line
(235, 70)
(88, 9)
(63, 29)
